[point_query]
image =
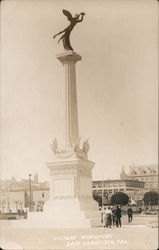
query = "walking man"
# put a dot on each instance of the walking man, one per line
(118, 216)
(113, 215)
(129, 214)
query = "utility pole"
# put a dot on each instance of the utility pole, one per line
(102, 193)
(30, 198)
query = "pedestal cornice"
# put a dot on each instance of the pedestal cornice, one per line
(68, 57)
(70, 162)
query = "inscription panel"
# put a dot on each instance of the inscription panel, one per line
(63, 187)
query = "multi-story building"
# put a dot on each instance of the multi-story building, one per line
(13, 184)
(16, 194)
(145, 173)
(106, 188)
(20, 199)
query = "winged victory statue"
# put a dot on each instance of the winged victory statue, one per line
(66, 36)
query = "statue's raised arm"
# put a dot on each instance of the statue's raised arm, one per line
(66, 32)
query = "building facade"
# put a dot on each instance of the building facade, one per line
(20, 199)
(145, 173)
(106, 188)
(16, 195)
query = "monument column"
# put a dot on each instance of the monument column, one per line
(71, 204)
(71, 132)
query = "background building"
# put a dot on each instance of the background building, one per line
(15, 195)
(106, 188)
(146, 173)
(20, 199)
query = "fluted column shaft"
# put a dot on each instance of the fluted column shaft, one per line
(71, 131)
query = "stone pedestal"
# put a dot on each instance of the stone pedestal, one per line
(71, 204)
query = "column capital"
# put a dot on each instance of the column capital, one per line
(68, 57)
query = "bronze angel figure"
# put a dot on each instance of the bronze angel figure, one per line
(66, 36)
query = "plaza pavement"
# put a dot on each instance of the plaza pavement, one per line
(141, 234)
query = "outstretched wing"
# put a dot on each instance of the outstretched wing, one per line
(68, 14)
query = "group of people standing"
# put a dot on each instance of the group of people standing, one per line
(112, 216)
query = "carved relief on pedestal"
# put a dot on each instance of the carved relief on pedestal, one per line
(82, 153)
(76, 151)
(61, 153)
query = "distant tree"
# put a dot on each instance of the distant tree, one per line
(119, 198)
(98, 199)
(151, 198)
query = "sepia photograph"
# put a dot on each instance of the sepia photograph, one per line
(79, 125)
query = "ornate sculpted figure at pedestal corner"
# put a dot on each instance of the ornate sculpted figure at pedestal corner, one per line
(73, 21)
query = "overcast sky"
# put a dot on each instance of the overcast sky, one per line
(116, 83)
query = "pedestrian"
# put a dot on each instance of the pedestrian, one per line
(129, 214)
(118, 216)
(107, 217)
(113, 215)
(101, 214)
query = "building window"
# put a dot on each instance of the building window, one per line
(110, 191)
(43, 195)
(121, 184)
(105, 195)
(115, 190)
(99, 191)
